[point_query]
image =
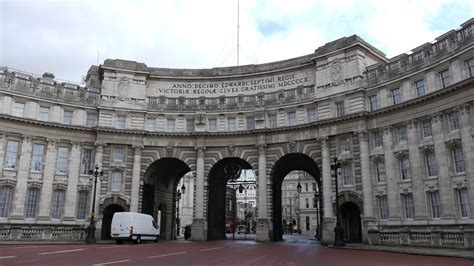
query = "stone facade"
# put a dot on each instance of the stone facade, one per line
(402, 129)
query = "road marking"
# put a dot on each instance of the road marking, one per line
(166, 255)
(7, 257)
(207, 249)
(234, 246)
(113, 247)
(110, 262)
(62, 251)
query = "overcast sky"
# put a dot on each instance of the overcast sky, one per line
(65, 36)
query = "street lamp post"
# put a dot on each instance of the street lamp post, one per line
(316, 204)
(338, 230)
(178, 198)
(93, 175)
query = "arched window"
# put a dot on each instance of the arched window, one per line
(6, 193)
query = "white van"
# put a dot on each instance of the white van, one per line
(133, 226)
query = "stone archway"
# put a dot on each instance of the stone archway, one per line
(112, 206)
(286, 164)
(351, 206)
(159, 192)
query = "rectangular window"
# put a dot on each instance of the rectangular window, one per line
(347, 175)
(67, 117)
(345, 145)
(11, 154)
(43, 113)
(171, 124)
(119, 154)
(306, 187)
(120, 122)
(37, 159)
(291, 118)
(420, 87)
(453, 120)
(435, 204)
(272, 120)
(117, 179)
(445, 78)
(377, 138)
(231, 124)
(383, 207)
(374, 103)
(405, 168)
(86, 161)
(408, 205)
(314, 187)
(458, 159)
(82, 204)
(312, 115)
(250, 122)
(63, 158)
(470, 66)
(431, 164)
(57, 204)
(307, 223)
(212, 124)
(307, 203)
(380, 171)
(402, 135)
(396, 96)
(6, 193)
(340, 109)
(426, 128)
(463, 202)
(18, 109)
(91, 120)
(151, 124)
(190, 124)
(32, 201)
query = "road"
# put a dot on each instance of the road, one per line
(210, 253)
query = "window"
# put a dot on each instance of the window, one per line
(190, 124)
(445, 78)
(453, 120)
(307, 203)
(430, 160)
(250, 122)
(426, 128)
(11, 154)
(312, 116)
(82, 203)
(377, 138)
(383, 207)
(402, 135)
(231, 124)
(314, 187)
(37, 157)
(212, 124)
(458, 159)
(420, 87)
(307, 223)
(63, 157)
(86, 161)
(43, 113)
(272, 120)
(151, 124)
(306, 187)
(117, 179)
(291, 118)
(315, 202)
(171, 124)
(408, 205)
(57, 204)
(67, 117)
(340, 109)
(6, 193)
(347, 175)
(91, 120)
(120, 122)
(405, 168)
(380, 171)
(18, 109)
(119, 154)
(31, 204)
(396, 97)
(345, 145)
(470, 66)
(435, 204)
(463, 202)
(374, 103)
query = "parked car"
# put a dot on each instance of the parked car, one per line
(133, 226)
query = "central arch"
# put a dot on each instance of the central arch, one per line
(286, 164)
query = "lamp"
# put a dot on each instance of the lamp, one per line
(93, 176)
(338, 230)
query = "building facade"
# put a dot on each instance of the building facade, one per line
(402, 129)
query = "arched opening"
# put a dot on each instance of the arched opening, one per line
(222, 203)
(351, 223)
(160, 193)
(285, 165)
(107, 215)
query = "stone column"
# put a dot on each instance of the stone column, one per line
(22, 179)
(392, 175)
(329, 220)
(135, 193)
(199, 227)
(368, 221)
(73, 176)
(263, 224)
(48, 178)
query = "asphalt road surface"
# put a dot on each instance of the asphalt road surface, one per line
(210, 253)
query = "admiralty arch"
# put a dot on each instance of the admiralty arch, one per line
(401, 129)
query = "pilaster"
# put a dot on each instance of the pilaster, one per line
(73, 176)
(22, 179)
(48, 178)
(137, 156)
(468, 147)
(392, 175)
(263, 229)
(327, 182)
(367, 188)
(199, 227)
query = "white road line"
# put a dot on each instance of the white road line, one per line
(7, 257)
(234, 246)
(112, 247)
(207, 249)
(166, 255)
(110, 262)
(62, 251)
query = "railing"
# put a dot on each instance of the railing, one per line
(462, 238)
(41, 232)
